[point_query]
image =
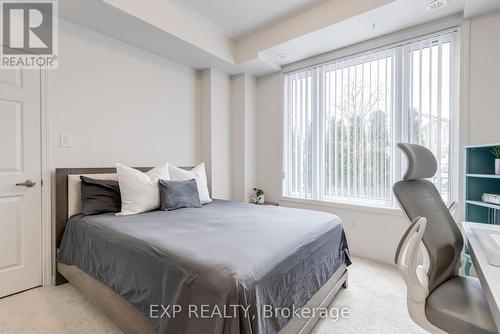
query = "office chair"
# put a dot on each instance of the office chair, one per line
(438, 299)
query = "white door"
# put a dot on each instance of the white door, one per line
(20, 205)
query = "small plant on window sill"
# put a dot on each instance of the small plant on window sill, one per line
(259, 196)
(496, 152)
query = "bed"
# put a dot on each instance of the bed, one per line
(227, 267)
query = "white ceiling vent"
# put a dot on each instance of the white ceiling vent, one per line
(437, 4)
(283, 56)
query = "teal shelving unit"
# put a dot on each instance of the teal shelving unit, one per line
(480, 178)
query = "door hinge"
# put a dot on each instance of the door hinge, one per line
(41, 183)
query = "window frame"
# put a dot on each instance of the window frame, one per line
(400, 65)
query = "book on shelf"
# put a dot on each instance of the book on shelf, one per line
(491, 198)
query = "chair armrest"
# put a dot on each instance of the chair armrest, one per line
(453, 207)
(414, 274)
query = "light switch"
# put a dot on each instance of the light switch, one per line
(66, 140)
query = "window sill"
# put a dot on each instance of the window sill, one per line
(344, 206)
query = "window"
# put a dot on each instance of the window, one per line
(342, 120)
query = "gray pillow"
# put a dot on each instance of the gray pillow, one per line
(179, 194)
(100, 196)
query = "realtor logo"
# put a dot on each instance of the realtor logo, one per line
(29, 34)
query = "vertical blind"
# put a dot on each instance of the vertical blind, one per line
(343, 118)
(430, 102)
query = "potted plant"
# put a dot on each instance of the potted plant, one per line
(259, 196)
(496, 152)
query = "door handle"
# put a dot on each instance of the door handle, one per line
(27, 183)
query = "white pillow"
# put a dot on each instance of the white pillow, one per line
(198, 173)
(140, 191)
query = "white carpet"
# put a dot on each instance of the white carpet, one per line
(376, 298)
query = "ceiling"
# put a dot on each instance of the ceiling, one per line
(237, 19)
(236, 36)
(403, 13)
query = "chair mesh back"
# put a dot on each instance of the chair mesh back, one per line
(442, 238)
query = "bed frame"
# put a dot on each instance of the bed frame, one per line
(121, 312)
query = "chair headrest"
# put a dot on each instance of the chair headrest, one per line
(421, 162)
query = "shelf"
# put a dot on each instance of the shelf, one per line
(485, 176)
(480, 179)
(484, 204)
(482, 146)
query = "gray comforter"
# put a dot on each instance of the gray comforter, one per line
(228, 259)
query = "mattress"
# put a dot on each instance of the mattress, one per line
(223, 268)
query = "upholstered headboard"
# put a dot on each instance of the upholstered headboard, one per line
(68, 195)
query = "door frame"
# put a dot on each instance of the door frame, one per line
(47, 274)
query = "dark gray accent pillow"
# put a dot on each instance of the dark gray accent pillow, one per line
(179, 194)
(100, 196)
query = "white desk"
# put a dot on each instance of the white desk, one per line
(489, 275)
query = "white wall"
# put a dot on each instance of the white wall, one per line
(216, 133)
(250, 135)
(206, 122)
(484, 84)
(244, 143)
(120, 104)
(221, 136)
(269, 108)
(238, 135)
